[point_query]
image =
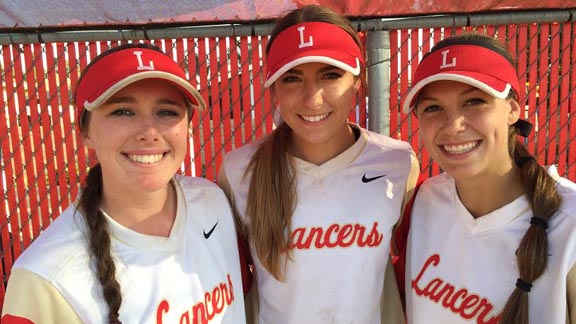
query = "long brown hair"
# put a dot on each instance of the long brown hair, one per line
(272, 193)
(540, 188)
(89, 203)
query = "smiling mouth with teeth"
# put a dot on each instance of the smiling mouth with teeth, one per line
(145, 159)
(314, 119)
(460, 148)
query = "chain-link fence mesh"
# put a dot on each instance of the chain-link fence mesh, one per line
(43, 161)
(545, 55)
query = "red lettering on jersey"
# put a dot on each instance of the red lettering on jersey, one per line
(335, 235)
(198, 313)
(461, 301)
(331, 229)
(162, 308)
(207, 302)
(215, 302)
(344, 233)
(185, 318)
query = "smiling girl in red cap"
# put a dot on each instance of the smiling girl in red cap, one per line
(493, 239)
(140, 245)
(318, 198)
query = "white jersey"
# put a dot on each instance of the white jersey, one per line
(341, 230)
(192, 276)
(462, 270)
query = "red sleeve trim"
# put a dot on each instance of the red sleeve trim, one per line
(246, 264)
(10, 319)
(401, 242)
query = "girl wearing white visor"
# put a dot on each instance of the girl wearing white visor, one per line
(493, 239)
(318, 198)
(141, 244)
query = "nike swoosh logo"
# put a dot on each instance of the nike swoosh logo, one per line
(207, 235)
(366, 180)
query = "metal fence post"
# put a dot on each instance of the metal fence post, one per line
(378, 70)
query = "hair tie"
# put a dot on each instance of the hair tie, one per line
(523, 127)
(523, 285)
(539, 221)
(523, 160)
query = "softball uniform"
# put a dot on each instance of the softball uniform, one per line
(340, 236)
(192, 276)
(462, 269)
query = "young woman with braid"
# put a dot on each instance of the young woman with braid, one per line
(141, 244)
(318, 197)
(493, 239)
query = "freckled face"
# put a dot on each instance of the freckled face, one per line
(140, 136)
(464, 129)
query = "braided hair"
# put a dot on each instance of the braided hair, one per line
(99, 241)
(540, 189)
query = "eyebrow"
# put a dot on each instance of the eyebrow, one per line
(322, 70)
(467, 91)
(117, 100)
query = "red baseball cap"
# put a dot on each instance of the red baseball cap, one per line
(119, 69)
(309, 42)
(475, 65)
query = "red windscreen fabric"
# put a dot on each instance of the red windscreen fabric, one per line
(543, 55)
(43, 160)
(563, 138)
(81, 13)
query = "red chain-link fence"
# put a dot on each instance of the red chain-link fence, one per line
(545, 55)
(42, 160)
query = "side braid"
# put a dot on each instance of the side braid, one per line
(99, 242)
(540, 188)
(532, 253)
